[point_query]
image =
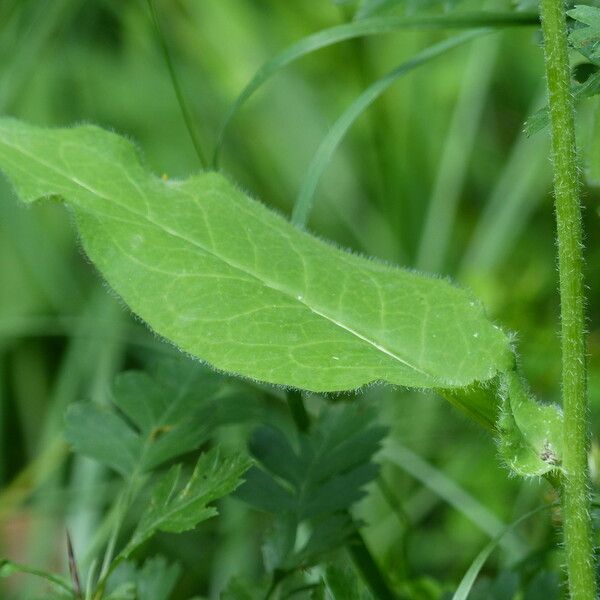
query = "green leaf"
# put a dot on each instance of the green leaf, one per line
(376, 7)
(328, 471)
(240, 589)
(99, 433)
(504, 586)
(585, 38)
(532, 5)
(447, 489)
(541, 119)
(466, 584)
(236, 285)
(363, 28)
(336, 133)
(155, 580)
(9, 568)
(531, 434)
(327, 534)
(174, 508)
(369, 8)
(478, 401)
(344, 584)
(159, 417)
(316, 482)
(592, 149)
(125, 591)
(546, 585)
(279, 542)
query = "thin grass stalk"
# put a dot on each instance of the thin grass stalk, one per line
(575, 482)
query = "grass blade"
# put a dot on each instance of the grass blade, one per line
(456, 155)
(304, 201)
(364, 28)
(185, 111)
(8, 568)
(449, 491)
(464, 589)
(524, 180)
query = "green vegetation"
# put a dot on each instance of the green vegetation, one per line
(284, 436)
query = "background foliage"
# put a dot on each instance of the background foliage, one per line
(437, 175)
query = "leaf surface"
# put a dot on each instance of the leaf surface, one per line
(364, 27)
(541, 118)
(531, 433)
(61, 584)
(235, 284)
(585, 37)
(325, 474)
(344, 584)
(155, 580)
(315, 481)
(159, 416)
(176, 509)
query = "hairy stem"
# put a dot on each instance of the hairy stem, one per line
(575, 493)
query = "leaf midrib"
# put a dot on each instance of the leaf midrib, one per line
(180, 502)
(210, 252)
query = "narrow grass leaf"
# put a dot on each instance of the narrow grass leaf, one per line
(8, 568)
(376, 7)
(369, 8)
(183, 106)
(363, 28)
(466, 584)
(447, 489)
(332, 140)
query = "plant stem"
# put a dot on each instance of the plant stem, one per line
(109, 563)
(185, 111)
(575, 492)
(365, 563)
(298, 410)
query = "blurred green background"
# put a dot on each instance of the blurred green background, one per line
(436, 175)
